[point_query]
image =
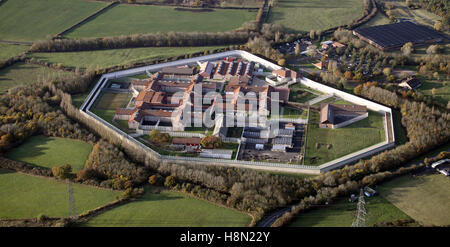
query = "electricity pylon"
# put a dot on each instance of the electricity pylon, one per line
(72, 212)
(360, 220)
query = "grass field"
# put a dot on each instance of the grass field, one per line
(8, 50)
(378, 19)
(345, 140)
(107, 103)
(108, 58)
(442, 91)
(50, 151)
(24, 20)
(21, 74)
(399, 130)
(132, 19)
(24, 196)
(291, 112)
(295, 96)
(342, 214)
(425, 198)
(169, 208)
(306, 15)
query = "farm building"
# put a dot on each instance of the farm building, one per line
(394, 36)
(410, 83)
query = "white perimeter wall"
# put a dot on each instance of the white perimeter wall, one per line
(239, 163)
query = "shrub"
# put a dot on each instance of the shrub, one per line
(155, 179)
(87, 174)
(170, 181)
(62, 172)
(42, 218)
(132, 193)
(157, 137)
(211, 142)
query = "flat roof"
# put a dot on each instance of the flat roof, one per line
(397, 34)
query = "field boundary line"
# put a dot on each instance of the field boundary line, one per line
(86, 19)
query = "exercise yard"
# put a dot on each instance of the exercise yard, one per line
(25, 196)
(52, 151)
(24, 20)
(423, 197)
(127, 19)
(342, 213)
(323, 145)
(107, 103)
(306, 15)
(169, 208)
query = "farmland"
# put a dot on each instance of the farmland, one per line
(378, 19)
(108, 58)
(8, 51)
(132, 19)
(51, 151)
(24, 196)
(324, 145)
(342, 214)
(303, 15)
(424, 197)
(169, 208)
(440, 88)
(22, 20)
(21, 74)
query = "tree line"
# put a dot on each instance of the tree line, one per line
(171, 39)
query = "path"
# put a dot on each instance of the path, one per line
(319, 99)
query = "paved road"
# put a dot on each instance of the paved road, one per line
(267, 222)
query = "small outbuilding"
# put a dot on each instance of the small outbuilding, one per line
(410, 83)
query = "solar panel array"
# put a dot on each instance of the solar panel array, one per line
(397, 34)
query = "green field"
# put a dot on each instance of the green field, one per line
(306, 15)
(169, 208)
(342, 214)
(295, 96)
(24, 20)
(291, 112)
(106, 104)
(132, 19)
(51, 151)
(25, 196)
(442, 89)
(345, 140)
(108, 58)
(8, 50)
(425, 198)
(378, 19)
(21, 74)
